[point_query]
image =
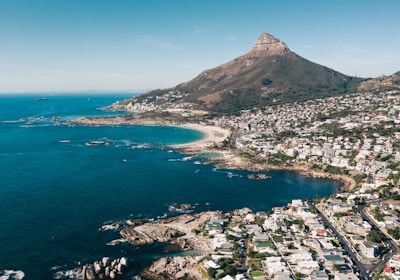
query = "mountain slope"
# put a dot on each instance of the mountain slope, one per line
(383, 83)
(269, 73)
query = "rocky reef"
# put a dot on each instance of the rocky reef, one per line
(181, 208)
(104, 269)
(258, 176)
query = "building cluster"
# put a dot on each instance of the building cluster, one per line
(349, 134)
(290, 242)
(354, 132)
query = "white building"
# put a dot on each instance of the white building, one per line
(274, 266)
(369, 249)
(307, 267)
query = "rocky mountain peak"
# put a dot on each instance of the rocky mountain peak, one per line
(269, 73)
(267, 44)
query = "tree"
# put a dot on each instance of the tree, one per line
(260, 221)
(374, 236)
(211, 272)
(338, 215)
(231, 270)
(298, 275)
(378, 215)
(395, 233)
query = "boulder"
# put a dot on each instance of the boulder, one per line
(105, 261)
(90, 275)
(107, 271)
(84, 272)
(124, 261)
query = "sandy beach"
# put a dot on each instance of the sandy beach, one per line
(212, 135)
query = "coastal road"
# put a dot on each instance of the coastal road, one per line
(389, 242)
(345, 245)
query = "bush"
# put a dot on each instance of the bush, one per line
(266, 82)
(211, 272)
(395, 233)
(374, 236)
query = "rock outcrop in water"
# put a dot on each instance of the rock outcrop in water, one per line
(104, 269)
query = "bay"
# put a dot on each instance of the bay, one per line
(56, 191)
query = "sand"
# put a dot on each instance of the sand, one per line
(212, 135)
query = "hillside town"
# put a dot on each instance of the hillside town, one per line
(331, 239)
(352, 234)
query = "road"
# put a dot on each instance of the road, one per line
(365, 270)
(347, 247)
(389, 242)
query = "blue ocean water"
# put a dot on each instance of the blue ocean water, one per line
(56, 191)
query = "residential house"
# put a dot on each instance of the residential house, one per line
(274, 266)
(319, 275)
(260, 237)
(332, 260)
(312, 243)
(345, 276)
(253, 229)
(395, 262)
(307, 267)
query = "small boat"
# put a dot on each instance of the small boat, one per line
(41, 99)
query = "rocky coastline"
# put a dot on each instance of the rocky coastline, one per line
(214, 136)
(183, 230)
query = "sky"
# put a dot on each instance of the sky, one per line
(68, 45)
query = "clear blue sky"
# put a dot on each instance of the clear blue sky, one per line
(48, 45)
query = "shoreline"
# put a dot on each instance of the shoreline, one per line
(232, 161)
(213, 136)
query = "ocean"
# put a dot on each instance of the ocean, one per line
(56, 191)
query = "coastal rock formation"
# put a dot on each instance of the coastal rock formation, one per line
(174, 268)
(259, 176)
(12, 274)
(104, 269)
(179, 230)
(148, 234)
(181, 208)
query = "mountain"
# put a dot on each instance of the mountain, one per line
(383, 83)
(269, 73)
